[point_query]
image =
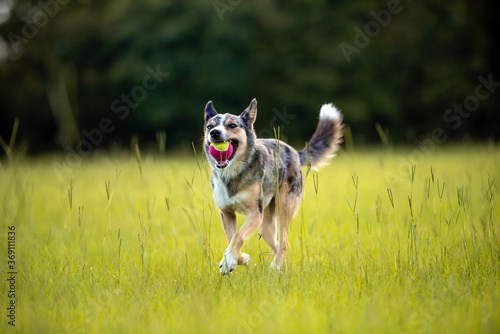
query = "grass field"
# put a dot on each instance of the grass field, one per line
(378, 246)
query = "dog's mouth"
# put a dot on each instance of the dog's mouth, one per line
(223, 152)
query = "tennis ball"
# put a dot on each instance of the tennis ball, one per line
(221, 155)
(221, 146)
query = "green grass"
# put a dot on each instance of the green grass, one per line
(375, 247)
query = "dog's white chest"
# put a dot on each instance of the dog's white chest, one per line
(225, 201)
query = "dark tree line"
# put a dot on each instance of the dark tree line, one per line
(146, 67)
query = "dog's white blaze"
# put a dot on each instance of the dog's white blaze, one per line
(223, 120)
(221, 128)
(330, 112)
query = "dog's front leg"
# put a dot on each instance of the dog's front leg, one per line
(229, 223)
(233, 255)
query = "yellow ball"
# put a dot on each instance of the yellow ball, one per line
(222, 146)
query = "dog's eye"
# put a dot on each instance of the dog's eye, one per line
(210, 127)
(233, 126)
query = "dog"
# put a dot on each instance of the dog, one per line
(261, 178)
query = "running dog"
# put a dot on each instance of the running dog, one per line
(261, 178)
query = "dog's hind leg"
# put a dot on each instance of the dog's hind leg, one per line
(268, 227)
(288, 201)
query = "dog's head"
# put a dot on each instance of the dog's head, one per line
(236, 130)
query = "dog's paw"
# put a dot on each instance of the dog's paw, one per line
(275, 265)
(244, 259)
(228, 263)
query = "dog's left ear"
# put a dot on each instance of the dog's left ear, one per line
(250, 114)
(209, 111)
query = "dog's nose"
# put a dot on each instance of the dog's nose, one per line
(215, 133)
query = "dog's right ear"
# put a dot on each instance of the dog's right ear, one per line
(209, 111)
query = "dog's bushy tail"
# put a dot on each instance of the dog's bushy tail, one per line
(325, 140)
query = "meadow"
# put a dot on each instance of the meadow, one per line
(129, 244)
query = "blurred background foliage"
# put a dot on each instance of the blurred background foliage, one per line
(64, 74)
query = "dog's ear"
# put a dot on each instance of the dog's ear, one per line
(250, 114)
(209, 111)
